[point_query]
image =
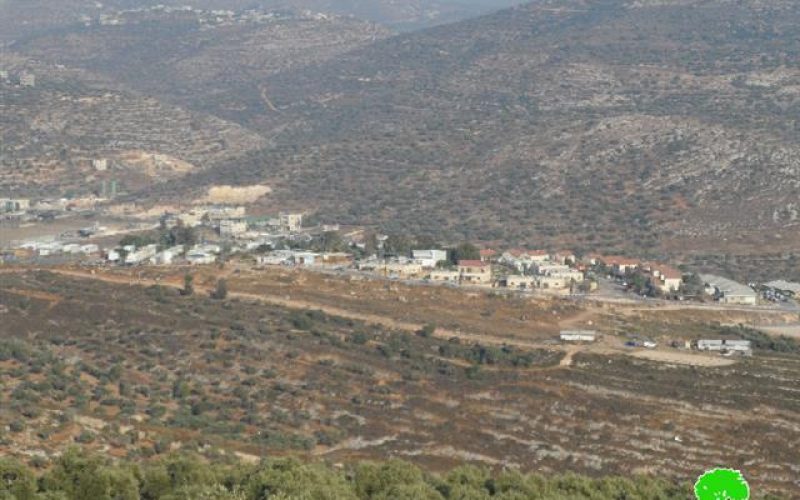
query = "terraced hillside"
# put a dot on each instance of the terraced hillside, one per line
(611, 124)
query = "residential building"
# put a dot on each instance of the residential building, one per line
(578, 336)
(565, 257)
(336, 259)
(219, 212)
(444, 276)
(474, 272)
(519, 282)
(663, 277)
(232, 228)
(199, 257)
(305, 258)
(141, 255)
(290, 222)
(14, 204)
(275, 258)
(620, 266)
(402, 270)
(428, 259)
(166, 257)
(487, 254)
(100, 164)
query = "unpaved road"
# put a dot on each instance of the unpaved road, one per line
(684, 358)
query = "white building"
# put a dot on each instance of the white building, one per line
(231, 228)
(14, 204)
(578, 336)
(429, 258)
(198, 257)
(728, 291)
(519, 282)
(444, 276)
(276, 258)
(141, 255)
(166, 257)
(100, 164)
(290, 222)
(305, 258)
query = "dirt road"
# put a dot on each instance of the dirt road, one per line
(605, 348)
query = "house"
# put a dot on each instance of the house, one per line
(444, 276)
(519, 282)
(336, 259)
(553, 282)
(487, 254)
(276, 258)
(305, 258)
(290, 222)
(113, 256)
(428, 259)
(14, 204)
(592, 259)
(141, 255)
(231, 228)
(89, 249)
(401, 270)
(565, 257)
(220, 212)
(578, 335)
(663, 277)
(199, 257)
(474, 272)
(727, 291)
(620, 266)
(166, 257)
(100, 164)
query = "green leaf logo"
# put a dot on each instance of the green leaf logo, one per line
(722, 484)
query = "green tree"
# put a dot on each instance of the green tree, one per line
(465, 251)
(16, 480)
(289, 478)
(79, 475)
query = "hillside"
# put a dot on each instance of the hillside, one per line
(50, 133)
(320, 367)
(209, 61)
(610, 124)
(20, 19)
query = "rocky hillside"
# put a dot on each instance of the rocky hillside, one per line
(609, 124)
(50, 133)
(210, 61)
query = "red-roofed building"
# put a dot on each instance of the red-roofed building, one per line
(475, 272)
(665, 278)
(487, 254)
(621, 265)
(565, 257)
